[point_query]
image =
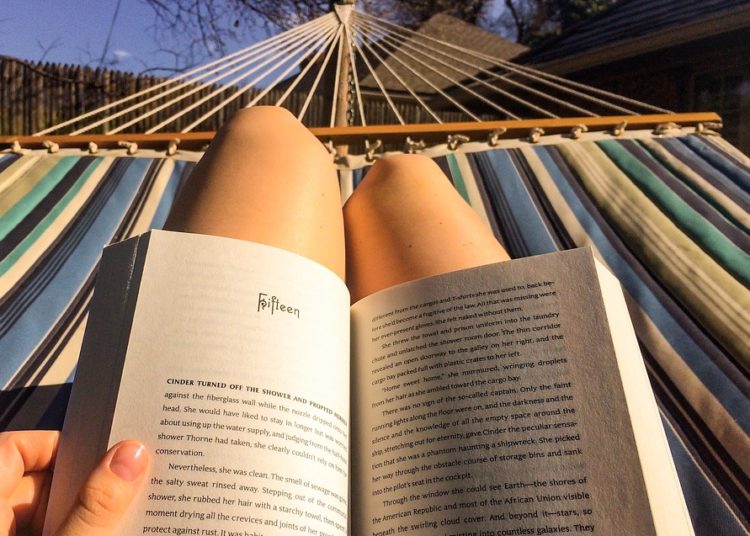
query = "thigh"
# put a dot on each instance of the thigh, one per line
(406, 221)
(266, 178)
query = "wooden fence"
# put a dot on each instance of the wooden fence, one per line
(35, 96)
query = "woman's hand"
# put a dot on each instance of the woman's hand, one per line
(26, 463)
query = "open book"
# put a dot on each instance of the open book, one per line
(507, 399)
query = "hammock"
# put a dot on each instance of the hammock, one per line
(667, 215)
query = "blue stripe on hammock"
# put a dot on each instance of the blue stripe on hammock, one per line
(734, 172)
(704, 168)
(37, 194)
(36, 321)
(700, 203)
(162, 210)
(709, 514)
(534, 233)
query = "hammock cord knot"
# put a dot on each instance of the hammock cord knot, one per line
(16, 148)
(372, 148)
(130, 147)
(619, 128)
(172, 146)
(665, 128)
(51, 146)
(577, 130)
(454, 140)
(708, 129)
(411, 146)
(494, 137)
(534, 135)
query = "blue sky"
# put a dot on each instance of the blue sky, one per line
(75, 31)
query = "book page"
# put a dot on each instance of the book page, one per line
(671, 515)
(488, 401)
(236, 378)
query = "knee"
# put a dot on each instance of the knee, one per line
(403, 169)
(258, 118)
(399, 179)
(271, 126)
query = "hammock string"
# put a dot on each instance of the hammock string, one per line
(209, 68)
(450, 71)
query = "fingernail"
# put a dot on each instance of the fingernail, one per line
(129, 461)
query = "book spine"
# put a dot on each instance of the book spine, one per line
(85, 434)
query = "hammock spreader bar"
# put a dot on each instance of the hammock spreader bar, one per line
(429, 132)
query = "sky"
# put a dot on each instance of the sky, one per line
(75, 31)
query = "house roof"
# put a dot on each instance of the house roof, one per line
(631, 27)
(444, 28)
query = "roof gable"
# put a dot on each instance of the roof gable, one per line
(450, 30)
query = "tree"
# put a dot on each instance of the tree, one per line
(413, 13)
(532, 21)
(194, 30)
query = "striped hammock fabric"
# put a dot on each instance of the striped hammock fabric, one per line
(669, 216)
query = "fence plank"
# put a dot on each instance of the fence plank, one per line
(36, 96)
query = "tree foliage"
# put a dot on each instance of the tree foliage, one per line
(194, 30)
(532, 21)
(414, 12)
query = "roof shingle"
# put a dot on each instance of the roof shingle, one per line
(448, 29)
(626, 20)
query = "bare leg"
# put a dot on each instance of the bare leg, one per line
(406, 221)
(266, 179)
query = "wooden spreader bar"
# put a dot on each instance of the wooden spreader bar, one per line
(430, 133)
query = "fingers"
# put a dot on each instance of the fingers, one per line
(29, 500)
(108, 492)
(31, 454)
(24, 452)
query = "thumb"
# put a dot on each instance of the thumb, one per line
(107, 493)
